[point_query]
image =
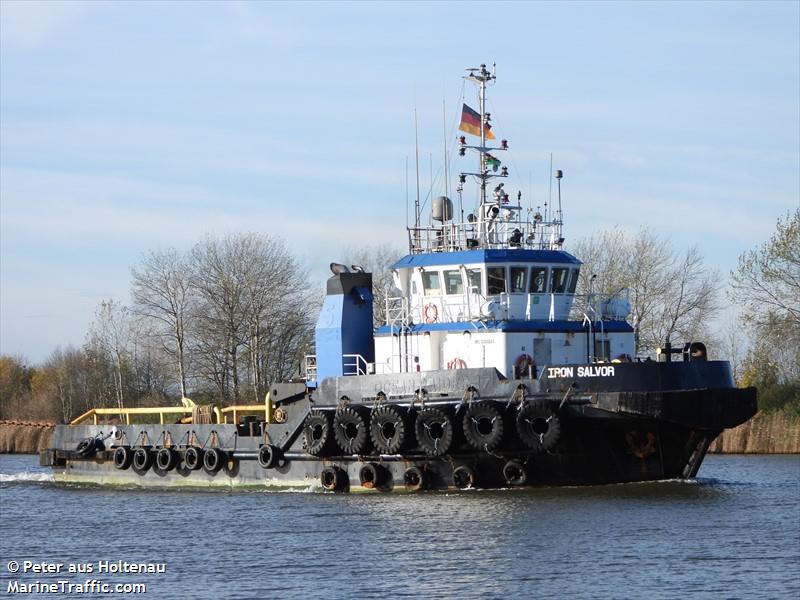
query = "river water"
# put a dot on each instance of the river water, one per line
(732, 533)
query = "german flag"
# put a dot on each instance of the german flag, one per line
(471, 123)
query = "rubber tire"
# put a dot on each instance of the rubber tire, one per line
(515, 473)
(414, 479)
(431, 445)
(142, 459)
(86, 447)
(268, 456)
(342, 420)
(123, 457)
(382, 416)
(166, 459)
(213, 460)
(371, 475)
(317, 418)
(193, 458)
(333, 479)
(533, 415)
(463, 477)
(474, 414)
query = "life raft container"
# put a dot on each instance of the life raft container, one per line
(434, 430)
(538, 427)
(483, 426)
(430, 313)
(350, 430)
(387, 429)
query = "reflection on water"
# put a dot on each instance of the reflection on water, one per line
(733, 532)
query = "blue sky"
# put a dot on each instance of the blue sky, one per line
(131, 126)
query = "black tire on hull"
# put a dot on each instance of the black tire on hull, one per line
(350, 430)
(414, 479)
(434, 430)
(86, 447)
(142, 459)
(463, 477)
(333, 479)
(166, 459)
(371, 476)
(483, 426)
(514, 472)
(317, 432)
(213, 460)
(123, 457)
(193, 458)
(268, 456)
(538, 427)
(388, 429)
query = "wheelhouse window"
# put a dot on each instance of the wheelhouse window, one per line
(558, 281)
(453, 283)
(495, 280)
(474, 281)
(519, 276)
(538, 280)
(573, 282)
(430, 283)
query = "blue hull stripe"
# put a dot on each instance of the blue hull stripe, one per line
(486, 256)
(512, 327)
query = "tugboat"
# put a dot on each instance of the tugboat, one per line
(478, 378)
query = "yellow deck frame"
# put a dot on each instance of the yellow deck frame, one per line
(221, 413)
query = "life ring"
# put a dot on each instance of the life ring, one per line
(538, 427)
(430, 312)
(483, 426)
(456, 363)
(317, 431)
(434, 429)
(640, 444)
(193, 458)
(387, 429)
(350, 430)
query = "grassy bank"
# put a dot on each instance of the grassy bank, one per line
(776, 432)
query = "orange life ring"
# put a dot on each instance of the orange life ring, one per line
(430, 312)
(641, 445)
(456, 363)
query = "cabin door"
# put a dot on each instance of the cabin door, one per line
(542, 351)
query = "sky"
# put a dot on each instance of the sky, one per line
(128, 126)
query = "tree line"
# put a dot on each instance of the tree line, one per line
(220, 321)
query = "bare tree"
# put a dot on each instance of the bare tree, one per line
(109, 336)
(671, 293)
(162, 292)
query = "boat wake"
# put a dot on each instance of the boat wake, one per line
(26, 477)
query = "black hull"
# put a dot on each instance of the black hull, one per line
(615, 430)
